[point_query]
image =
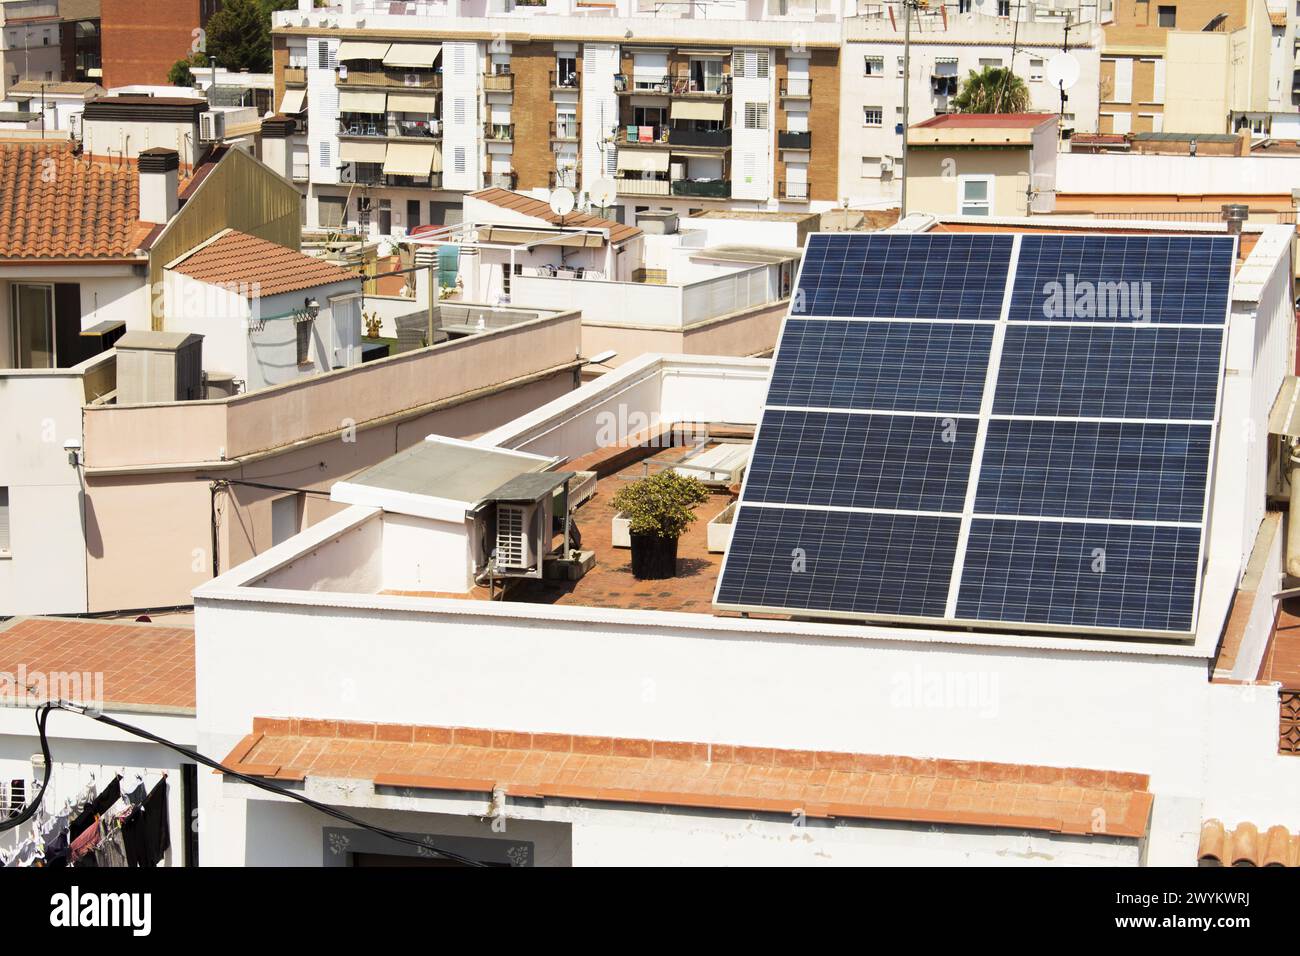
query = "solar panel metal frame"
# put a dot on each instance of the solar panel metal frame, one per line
(968, 515)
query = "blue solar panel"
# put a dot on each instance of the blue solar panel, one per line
(899, 462)
(1181, 279)
(1094, 448)
(1104, 470)
(847, 561)
(887, 275)
(1135, 577)
(1115, 372)
(889, 366)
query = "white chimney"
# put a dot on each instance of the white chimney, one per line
(277, 144)
(159, 180)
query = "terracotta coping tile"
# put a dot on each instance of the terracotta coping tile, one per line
(723, 776)
(1245, 846)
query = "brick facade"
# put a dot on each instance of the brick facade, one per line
(141, 39)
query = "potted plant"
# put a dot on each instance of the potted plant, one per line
(659, 508)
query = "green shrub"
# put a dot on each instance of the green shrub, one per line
(662, 505)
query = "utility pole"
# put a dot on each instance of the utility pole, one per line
(907, 78)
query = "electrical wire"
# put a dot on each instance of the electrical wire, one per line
(263, 485)
(42, 715)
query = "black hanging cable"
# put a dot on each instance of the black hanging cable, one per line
(42, 714)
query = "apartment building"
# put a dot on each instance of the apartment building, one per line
(1184, 66)
(80, 40)
(29, 42)
(141, 39)
(947, 44)
(406, 112)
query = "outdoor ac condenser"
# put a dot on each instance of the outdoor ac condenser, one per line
(516, 537)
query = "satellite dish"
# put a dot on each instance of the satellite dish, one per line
(562, 202)
(1063, 70)
(603, 192)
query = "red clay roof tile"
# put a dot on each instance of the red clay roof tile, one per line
(527, 206)
(258, 266)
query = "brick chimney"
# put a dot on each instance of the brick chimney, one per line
(159, 179)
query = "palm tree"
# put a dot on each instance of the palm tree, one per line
(994, 89)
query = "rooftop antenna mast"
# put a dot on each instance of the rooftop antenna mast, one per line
(908, 7)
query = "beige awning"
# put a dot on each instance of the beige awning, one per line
(354, 101)
(295, 101)
(646, 161)
(362, 50)
(419, 56)
(353, 152)
(686, 110)
(411, 103)
(695, 154)
(520, 236)
(437, 158)
(410, 159)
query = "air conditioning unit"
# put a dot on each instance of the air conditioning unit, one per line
(412, 79)
(516, 548)
(212, 127)
(887, 164)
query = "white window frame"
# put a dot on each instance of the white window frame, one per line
(879, 70)
(963, 204)
(880, 117)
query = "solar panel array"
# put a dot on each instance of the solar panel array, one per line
(989, 429)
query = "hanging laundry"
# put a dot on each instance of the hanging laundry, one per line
(107, 797)
(147, 833)
(82, 850)
(136, 796)
(112, 850)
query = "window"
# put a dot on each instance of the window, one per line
(458, 159)
(872, 116)
(873, 66)
(900, 63)
(749, 64)
(1004, 8)
(963, 6)
(286, 517)
(755, 116)
(331, 211)
(975, 194)
(1035, 71)
(566, 71)
(990, 61)
(325, 158)
(870, 167)
(33, 326)
(1166, 17)
(326, 59)
(303, 327)
(4, 520)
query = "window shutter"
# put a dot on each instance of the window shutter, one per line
(1158, 90)
(1123, 81)
(738, 64)
(4, 519)
(760, 61)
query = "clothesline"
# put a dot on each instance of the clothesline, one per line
(108, 828)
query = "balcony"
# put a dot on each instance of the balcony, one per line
(374, 128)
(796, 88)
(566, 82)
(636, 186)
(793, 191)
(630, 135)
(626, 85)
(700, 138)
(703, 189)
(499, 132)
(498, 82)
(566, 132)
(685, 86)
(295, 76)
(567, 177)
(500, 180)
(416, 129)
(787, 139)
(390, 79)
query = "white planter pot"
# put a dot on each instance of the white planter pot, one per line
(622, 532)
(719, 529)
